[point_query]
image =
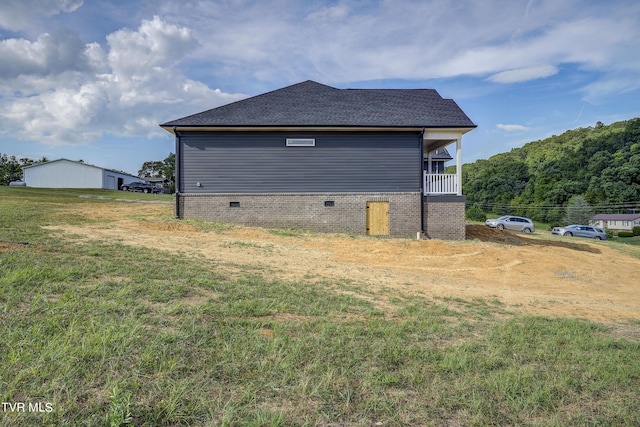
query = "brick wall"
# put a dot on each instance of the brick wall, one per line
(305, 211)
(444, 217)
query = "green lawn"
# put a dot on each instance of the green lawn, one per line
(98, 333)
(632, 241)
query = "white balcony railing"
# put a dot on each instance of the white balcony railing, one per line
(440, 183)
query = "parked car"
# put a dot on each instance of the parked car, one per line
(158, 188)
(580, 231)
(144, 187)
(514, 223)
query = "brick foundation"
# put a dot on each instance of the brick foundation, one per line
(306, 211)
(444, 217)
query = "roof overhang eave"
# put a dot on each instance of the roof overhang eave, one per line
(453, 129)
(435, 138)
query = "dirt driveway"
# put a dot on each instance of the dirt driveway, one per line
(581, 279)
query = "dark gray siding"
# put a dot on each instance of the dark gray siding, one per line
(257, 162)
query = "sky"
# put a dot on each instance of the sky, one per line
(91, 80)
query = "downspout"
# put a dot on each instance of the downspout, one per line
(422, 182)
(459, 165)
(178, 156)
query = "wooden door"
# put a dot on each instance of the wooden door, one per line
(378, 218)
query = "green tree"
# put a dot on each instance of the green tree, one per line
(601, 163)
(10, 169)
(169, 168)
(554, 216)
(151, 169)
(161, 169)
(578, 211)
(475, 213)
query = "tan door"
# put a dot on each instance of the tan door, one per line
(378, 218)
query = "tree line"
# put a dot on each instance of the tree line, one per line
(601, 164)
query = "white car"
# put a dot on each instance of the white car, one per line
(510, 222)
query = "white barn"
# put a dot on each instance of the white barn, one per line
(63, 173)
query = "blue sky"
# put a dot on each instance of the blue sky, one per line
(92, 80)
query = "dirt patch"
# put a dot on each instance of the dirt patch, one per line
(167, 226)
(488, 234)
(5, 246)
(532, 274)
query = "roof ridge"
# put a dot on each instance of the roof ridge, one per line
(310, 103)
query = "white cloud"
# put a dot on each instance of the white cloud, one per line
(353, 40)
(126, 91)
(508, 42)
(620, 83)
(329, 14)
(512, 128)
(524, 74)
(154, 44)
(49, 54)
(568, 42)
(17, 15)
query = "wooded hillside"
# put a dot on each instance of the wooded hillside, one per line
(600, 163)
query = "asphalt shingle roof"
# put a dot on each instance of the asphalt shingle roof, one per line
(314, 104)
(616, 217)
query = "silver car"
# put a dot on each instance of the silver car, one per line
(580, 231)
(510, 222)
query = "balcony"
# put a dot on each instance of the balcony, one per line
(440, 183)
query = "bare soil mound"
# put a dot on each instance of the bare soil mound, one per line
(488, 234)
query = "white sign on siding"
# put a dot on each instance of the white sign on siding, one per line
(298, 142)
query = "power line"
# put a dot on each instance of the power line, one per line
(608, 206)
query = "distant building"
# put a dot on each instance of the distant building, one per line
(162, 184)
(617, 222)
(63, 173)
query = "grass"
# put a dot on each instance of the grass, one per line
(112, 335)
(288, 232)
(631, 241)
